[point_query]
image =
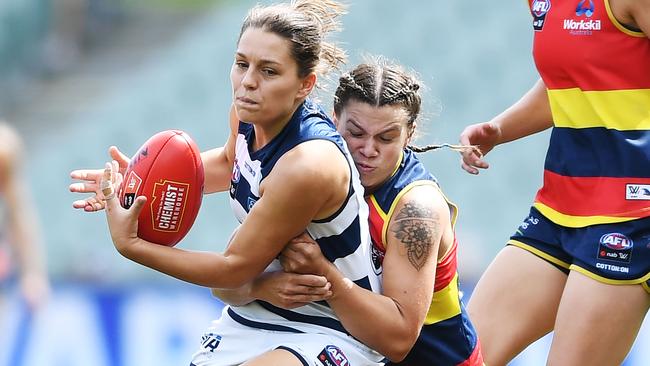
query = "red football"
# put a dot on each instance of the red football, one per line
(168, 170)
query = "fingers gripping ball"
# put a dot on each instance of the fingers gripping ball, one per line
(168, 170)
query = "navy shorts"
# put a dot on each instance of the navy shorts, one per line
(617, 253)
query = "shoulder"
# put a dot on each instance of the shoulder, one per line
(314, 163)
(422, 199)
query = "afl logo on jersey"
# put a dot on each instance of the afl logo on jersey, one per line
(616, 241)
(333, 356)
(539, 8)
(236, 173)
(377, 259)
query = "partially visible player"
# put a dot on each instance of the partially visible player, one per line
(579, 264)
(377, 106)
(19, 225)
(287, 170)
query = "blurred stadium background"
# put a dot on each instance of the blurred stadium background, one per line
(79, 75)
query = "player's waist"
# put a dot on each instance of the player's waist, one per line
(599, 152)
(260, 314)
(584, 201)
(312, 318)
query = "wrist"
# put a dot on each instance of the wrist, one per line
(340, 284)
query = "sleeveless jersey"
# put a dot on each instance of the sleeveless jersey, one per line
(597, 72)
(447, 337)
(343, 238)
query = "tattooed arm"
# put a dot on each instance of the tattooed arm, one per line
(390, 323)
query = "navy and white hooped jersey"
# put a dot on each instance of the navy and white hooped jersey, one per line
(343, 238)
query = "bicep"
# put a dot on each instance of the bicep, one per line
(278, 216)
(413, 241)
(217, 169)
(218, 162)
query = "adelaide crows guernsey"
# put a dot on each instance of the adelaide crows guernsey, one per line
(597, 73)
(343, 238)
(447, 337)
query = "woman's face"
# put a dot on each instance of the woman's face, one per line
(265, 83)
(376, 137)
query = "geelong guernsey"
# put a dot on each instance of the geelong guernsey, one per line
(447, 337)
(343, 238)
(597, 73)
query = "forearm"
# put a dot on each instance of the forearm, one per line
(389, 332)
(529, 115)
(213, 270)
(25, 231)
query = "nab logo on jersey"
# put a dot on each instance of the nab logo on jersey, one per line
(539, 9)
(333, 356)
(615, 247)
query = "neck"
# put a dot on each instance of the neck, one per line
(266, 132)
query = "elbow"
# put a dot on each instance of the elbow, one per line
(229, 283)
(398, 353)
(401, 345)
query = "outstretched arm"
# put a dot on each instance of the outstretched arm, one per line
(274, 219)
(22, 221)
(217, 164)
(529, 115)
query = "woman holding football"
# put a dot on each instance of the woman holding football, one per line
(420, 320)
(296, 175)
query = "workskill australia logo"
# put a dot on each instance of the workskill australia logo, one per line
(583, 26)
(333, 356)
(637, 192)
(615, 247)
(585, 8)
(539, 9)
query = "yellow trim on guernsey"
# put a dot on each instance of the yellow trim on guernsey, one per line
(445, 303)
(618, 24)
(622, 110)
(577, 221)
(404, 190)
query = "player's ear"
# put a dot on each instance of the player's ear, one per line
(307, 85)
(335, 119)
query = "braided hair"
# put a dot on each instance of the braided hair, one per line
(381, 82)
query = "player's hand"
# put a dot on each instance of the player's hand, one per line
(485, 136)
(90, 182)
(290, 290)
(122, 223)
(303, 255)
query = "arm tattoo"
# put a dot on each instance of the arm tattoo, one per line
(416, 226)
